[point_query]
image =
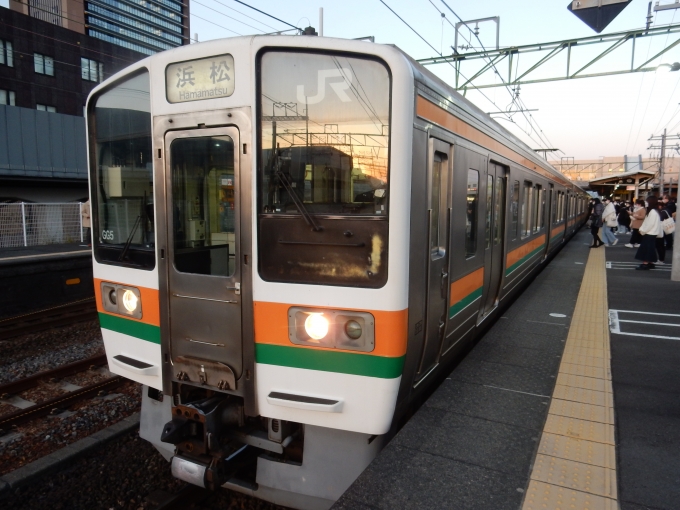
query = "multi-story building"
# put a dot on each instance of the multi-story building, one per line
(145, 26)
(46, 74)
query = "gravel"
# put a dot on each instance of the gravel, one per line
(117, 476)
(37, 352)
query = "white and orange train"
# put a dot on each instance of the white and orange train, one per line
(294, 237)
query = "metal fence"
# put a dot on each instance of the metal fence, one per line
(38, 224)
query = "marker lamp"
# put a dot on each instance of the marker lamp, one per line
(332, 329)
(121, 300)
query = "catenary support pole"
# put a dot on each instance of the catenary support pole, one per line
(320, 21)
(663, 164)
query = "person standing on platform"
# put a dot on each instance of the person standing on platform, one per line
(624, 220)
(591, 204)
(596, 222)
(661, 238)
(650, 230)
(639, 213)
(609, 220)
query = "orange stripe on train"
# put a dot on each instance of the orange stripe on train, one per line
(462, 288)
(524, 250)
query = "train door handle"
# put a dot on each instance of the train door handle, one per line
(236, 288)
(445, 277)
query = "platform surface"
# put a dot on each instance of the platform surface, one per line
(26, 254)
(524, 422)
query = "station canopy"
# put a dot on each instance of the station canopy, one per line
(622, 181)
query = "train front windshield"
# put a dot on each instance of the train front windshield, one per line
(121, 135)
(324, 128)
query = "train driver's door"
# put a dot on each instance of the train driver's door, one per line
(439, 214)
(494, 236)
(204, 295)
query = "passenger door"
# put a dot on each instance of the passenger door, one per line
(439, 214)
(203, 269)
(494, 234)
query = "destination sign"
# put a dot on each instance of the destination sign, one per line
(193, 80)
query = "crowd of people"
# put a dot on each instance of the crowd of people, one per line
(649, 222)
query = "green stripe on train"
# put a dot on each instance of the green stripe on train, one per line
(125, 326)
(558, 236)
(329, 361)
(456, 308)
(523, 260)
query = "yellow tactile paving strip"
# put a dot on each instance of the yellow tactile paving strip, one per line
(575, 466)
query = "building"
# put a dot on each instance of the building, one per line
(46, 73)
(145, 26)
(616, 173)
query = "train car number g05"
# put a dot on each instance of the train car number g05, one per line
(107, 235)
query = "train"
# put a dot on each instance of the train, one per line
(294, 239)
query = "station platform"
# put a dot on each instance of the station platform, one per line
(27, 254)
(36, 278)
(551, 409)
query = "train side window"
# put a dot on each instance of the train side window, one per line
(540, 209)
(471, 214)
(489, 210)
(514, 210)
(526, 208)
(499, 211)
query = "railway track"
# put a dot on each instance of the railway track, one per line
(32, 412)
(61, 315)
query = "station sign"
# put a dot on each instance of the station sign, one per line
(205, 78)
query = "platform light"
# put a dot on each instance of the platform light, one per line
(666, 68)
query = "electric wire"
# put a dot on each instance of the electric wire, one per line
(266, 14)
(216, 24)
(435, 50)
(514, 96)
(225, 15)
(244, 14)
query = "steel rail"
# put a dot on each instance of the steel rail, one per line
(45, 408)
(60, 315)
(14, 387)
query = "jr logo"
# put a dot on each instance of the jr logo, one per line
(339, 87)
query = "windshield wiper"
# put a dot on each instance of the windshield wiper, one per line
(284, 180)
(126, 248)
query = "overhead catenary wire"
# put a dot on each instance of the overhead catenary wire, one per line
(226, 15)
(267, 14)
(216, 24)
(515, 98)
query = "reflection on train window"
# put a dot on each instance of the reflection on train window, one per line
(324, 134)
(499, 211)
(552, 205)
(204, 205)
(123, 208)
(489, 210)
(527, 204)
(471, 215)
(514, 210)
(538, 209)
(435, 203)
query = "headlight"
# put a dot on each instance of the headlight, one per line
(331, 329)
(353, 329)
(316, 326)
(121, 300)
(130, 301)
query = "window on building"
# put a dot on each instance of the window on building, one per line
(46, 108)
(6, 53)
(91, 70)
(471, 216)
(7, 97)
(43, 64)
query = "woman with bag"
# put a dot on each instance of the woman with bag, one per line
(650, 230)
(661, 238)
(638, 216)
(596, 222)
(609, 219)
